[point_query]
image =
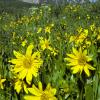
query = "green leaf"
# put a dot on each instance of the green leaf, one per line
(88, 92)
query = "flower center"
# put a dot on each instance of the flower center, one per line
(27, 63)
(44, 97)
(82, 60)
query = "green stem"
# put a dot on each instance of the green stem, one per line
(81, 94)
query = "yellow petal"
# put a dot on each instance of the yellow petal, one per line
(53, 98)
(1, 86)
(75, 51)
(73, 61)
(3, 80)
(90, 67)
(18, 86)
(87, 71)
(68, 59)
(72, 56)
(35, 91)
(32, 98)
(72, 64)
(18, 69)
(88, 58)
(17, 54)
(81, 69)
(29, 77)
(34, 71)
(16, 61)
(48, 86)
(53, 91)
(40, 86)
(25, 89)
(75, 69)
(22, 74)
(29, 50)
(85, 52)
(35, 55)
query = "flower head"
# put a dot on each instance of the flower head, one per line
(79, 61)
(45, 44)
(80, 37)
(27, 65)
(40, 94)
(47, 29)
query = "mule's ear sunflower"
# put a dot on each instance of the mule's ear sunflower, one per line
(27, 66)
(78, 61)
(40, 94)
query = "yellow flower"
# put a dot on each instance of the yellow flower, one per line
(79, 38)
(19, 85)
(47, 29)
(24, 42)
(28, 64)
(1, 82)
(79, 61)
(39, 30)
(40, 94)
(45, 44)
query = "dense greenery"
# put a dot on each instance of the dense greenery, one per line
(53, 31)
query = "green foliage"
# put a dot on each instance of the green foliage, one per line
(64, 21)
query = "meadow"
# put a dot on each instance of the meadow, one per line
(50, 52)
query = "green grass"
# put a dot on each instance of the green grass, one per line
(67, 19)
(13, 6)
